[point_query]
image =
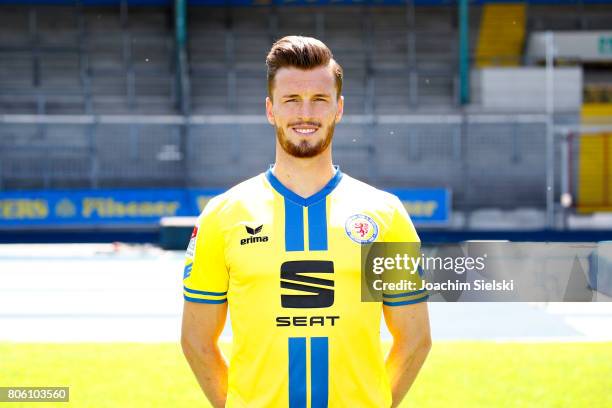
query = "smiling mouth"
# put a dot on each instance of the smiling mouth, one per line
(305, 130)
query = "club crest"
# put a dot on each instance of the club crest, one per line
(361, 229)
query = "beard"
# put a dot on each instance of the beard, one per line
(304, 149)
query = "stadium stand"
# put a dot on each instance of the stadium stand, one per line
(399, 60)
(71, 60)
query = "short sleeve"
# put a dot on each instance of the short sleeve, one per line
(205, 277)
(401, 230)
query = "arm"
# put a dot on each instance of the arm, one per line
(202, 326)
(409, 326)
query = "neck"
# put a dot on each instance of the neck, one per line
(303, 176)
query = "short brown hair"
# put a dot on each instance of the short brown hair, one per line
(303, 53)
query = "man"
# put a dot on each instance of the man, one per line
(282, 251)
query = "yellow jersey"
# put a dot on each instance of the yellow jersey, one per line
(290, 269)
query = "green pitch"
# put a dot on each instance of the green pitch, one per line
(457, 374)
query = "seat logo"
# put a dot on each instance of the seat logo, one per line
(317, 292)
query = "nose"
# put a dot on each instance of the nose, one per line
(305, 110)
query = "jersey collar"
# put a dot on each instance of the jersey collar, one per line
(290, 195)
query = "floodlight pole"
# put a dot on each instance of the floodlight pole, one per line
(464, 53)
(566, 165)
(182, 81)
(182, 72)
(550, 135)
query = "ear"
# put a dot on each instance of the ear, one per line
(340, 109)
(269, 112)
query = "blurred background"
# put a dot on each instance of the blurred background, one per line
(479, 115)
(120, 119)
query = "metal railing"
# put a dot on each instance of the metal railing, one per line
(487, 160)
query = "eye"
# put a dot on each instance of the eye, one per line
(290, 100)
(320, 99)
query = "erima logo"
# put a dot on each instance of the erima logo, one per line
(253, 231)
(253, 238)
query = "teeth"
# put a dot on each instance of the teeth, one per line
(305, 131)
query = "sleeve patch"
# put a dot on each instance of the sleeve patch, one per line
(187, 270)
(192, 243)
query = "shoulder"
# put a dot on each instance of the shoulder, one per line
(238, 196)
(382, 209)
(370, 196)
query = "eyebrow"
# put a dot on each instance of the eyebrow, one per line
(299, 96)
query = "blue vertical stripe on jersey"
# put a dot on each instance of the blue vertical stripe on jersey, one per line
(319, 372)
(317, 226)
(294, 217)
(294, 226)
(297, 372)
